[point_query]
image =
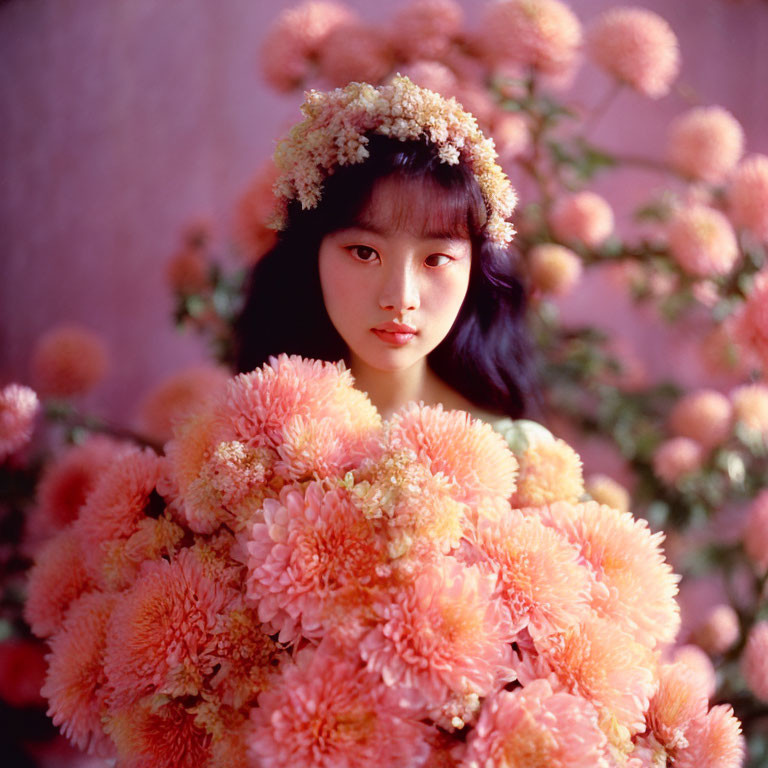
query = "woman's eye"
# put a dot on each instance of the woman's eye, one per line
(437, 260)
(362, 252)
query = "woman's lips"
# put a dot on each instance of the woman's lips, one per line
(395, 334)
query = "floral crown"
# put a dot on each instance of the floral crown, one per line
(334, 132)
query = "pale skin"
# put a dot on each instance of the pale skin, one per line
(392, 268)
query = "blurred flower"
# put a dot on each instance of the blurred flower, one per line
(700, 665)
(354, 52)
(543, 34)
(748, 195)
(605, 490)
(549, 471)
(719, 630)
(426, 29)
(754, 662)
(553, 268)
(677, 457)
(719, 353)
(510, 133)
(68, 360)
(705, 416)
(637, 47)
(584, 217)
(431, 75)
(19, 407)
(177, 396)
(702, 241)
(253, 212)
(749, 324)
(294, 39)
(755, 536)
(713, 740)
(187, 270)
(750, 408)
(22, 672)
(705, 143)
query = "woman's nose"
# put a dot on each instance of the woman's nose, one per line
(399, 289)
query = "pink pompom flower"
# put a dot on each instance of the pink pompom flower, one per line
(750, 408)
(719, 630)
(749, 325)
(554, 268)
(426, 28)
(748, 195)
(702, 241)
(705, 143)
(677, 457)
(584, 217)
(19, 407)
(705, 416)
(678, 700)
(754, 661)
(714, 741)
(637, 47)
(755, 536)
(354, 52)
(700, 665)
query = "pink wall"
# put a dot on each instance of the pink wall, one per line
(121, 121)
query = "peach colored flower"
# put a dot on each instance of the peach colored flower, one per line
(68, 360)
(162, 637)
(605, 490)
(749, 325)
(702, 241)
(748, 195)
(535, 727)
(678, 700)
(714, 741)
(441, 633)
(511, 134)
(539, 577)
(719, 630)
(354, 51)
(426, 28)
(312, 562)
(325, 711)
(549, 471)
(75, 684)
(57, 578)
(177, 396)
(469, 452)
(755, 536)
(705, 143)
(584, 217)
(700, 665)
(677, 457)
(254, 208)
(432, 75)
(294, 39)
(553, 268)
(543, 34)
(719, 353)
(634, 587)
(754, 661)
(19, 407)
(637, 47)
(705, 416)
(750, 408)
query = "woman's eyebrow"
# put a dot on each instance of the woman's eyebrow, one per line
(428, 234)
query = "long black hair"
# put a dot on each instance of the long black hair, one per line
(485, 356)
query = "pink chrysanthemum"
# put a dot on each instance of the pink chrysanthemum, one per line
(719, 630)
(443, 632)
(634, 587)
(705, 143)
(162, 637)
(426, 28)
(294, 39)
(749, 325)
(605, 490)
(534, 727)
(755, 536)
(354, 52)
(750, 408)
(678, 700)
(431, 75)
(68, 360)
(754, 662)
(326, 711)
(469, 452)
(677, 457)
(539, 577)
(57, 578)
(176, 396)
(599, 661)
(549, 471)
(705, 416)
(714, 741)
(544, 34)
(254, 210)
(19, 407)
(748, 195)
(702, 241)
(638, 48)
(554, 268)
(75, 685)
(700, 665)
(584, 217)
(311, 563)
(510, 133)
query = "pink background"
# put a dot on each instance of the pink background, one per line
(122, 121)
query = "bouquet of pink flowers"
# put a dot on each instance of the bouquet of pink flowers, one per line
(297, 583)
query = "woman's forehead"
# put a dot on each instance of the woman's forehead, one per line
(419, 206)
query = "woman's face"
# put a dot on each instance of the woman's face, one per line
(394, 283)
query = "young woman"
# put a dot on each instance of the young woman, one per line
(393, 255)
